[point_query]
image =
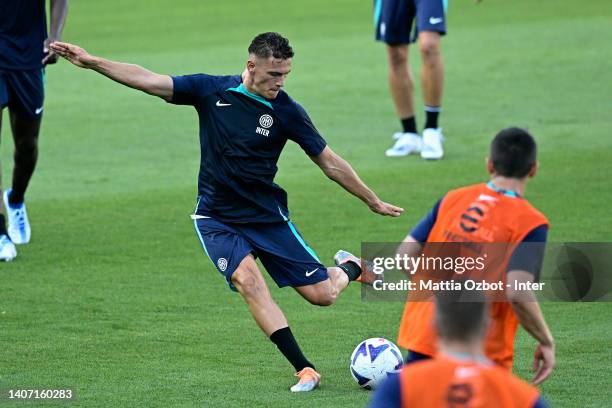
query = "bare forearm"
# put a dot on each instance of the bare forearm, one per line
(59, 11)
(337, 169)
(409, 248)
(342, 173)
(131, 75)
(531, 318)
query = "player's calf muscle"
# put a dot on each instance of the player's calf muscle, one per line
(322, 300)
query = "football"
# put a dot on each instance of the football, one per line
(373, 360)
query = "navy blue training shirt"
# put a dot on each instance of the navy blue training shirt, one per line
(23, 30)
(241, 137)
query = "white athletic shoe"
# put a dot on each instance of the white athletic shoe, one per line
(18, 225)
(432, 144)
(309, 380)
(7, 249)
(405, 143)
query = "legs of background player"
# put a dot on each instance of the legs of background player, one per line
(25, 135)
(7, 248)
(2, 211)
(402, 91)
(400, 81)
(432, 80)
(432, 71)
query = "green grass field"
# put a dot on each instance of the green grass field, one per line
(114, 296)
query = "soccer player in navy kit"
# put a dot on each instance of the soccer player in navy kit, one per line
(23, 55)
(241, 214)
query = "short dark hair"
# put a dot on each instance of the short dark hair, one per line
(270, 44)
(513, 152)
(460, 314)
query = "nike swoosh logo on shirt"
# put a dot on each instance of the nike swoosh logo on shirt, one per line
(311, 272)
(38, 110)
(223, 104)
(435, 20)
(197, 217)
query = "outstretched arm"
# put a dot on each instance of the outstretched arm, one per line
(338, 169)
(130, 75)
(59, 10)
(529, 314)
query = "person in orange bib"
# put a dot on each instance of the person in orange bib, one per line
(488, 215)
(460, 375)
(493, 212)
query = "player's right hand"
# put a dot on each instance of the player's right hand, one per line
(543, 362)
(73, 53)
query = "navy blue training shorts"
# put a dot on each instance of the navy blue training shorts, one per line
(278, 245)
(393, 19)
(23, 92)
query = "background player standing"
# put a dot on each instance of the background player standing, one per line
(24, 53)
(394, 22)
(241, 214)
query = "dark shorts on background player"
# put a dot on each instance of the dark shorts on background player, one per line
(278, 245)
(23, 92)
(393, 19)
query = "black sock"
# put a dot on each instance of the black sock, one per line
(284, 340)
(3, 225)
(431, 117)
(409, 125)
(15, 198)
(351, 269)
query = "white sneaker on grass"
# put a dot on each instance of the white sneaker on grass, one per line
(309, 380)
(405, 143)
(18, 225)
(7, 249)
(432, 144)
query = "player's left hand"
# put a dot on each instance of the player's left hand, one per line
(543, 363)
(50, 55)
(382, 208)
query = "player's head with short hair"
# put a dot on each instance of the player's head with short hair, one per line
(271, 44)
(268, 65)
(513, 153)
(461, 315)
